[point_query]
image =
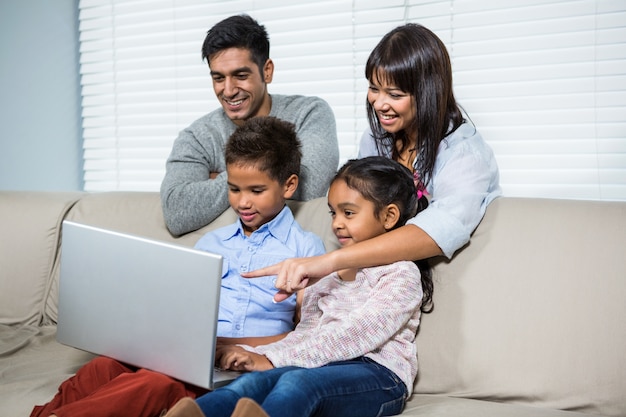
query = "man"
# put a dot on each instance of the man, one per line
(194, 191)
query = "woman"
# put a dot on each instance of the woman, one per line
(415, 120)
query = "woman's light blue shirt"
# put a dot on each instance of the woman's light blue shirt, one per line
(465, 180)
(246, 307)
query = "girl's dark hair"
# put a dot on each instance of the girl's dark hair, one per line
(269, 144)
(415, 60)
(239, 31)
(384, 181)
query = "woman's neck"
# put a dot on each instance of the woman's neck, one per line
(407, 157)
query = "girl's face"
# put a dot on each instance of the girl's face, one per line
(395, 108)
(354, 218)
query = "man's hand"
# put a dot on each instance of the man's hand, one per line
(236, 358)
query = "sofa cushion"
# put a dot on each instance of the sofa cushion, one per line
(28, 248)
(437, 406)
(32, 375)
(532, 310)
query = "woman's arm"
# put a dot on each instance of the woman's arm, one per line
(405, 243)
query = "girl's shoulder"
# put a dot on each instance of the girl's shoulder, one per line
(396, 270)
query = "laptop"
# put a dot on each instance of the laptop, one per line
(143, 302)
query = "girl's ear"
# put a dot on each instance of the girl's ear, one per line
(291, 185)
(390, 216)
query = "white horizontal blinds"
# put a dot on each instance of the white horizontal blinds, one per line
(312, 49)
(143, 80)
(544, 81)
(318, 49)
(545, 84)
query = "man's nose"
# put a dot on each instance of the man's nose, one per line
(230, 87)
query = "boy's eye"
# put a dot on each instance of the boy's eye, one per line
(332, 213)
(348, 213)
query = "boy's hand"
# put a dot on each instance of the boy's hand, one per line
(236, 358)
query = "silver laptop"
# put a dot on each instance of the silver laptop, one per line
(145, 303)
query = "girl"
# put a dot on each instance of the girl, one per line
(415, 120)
(353, 352)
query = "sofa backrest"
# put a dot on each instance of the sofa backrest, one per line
(533, 309)
(140, 214)
(29, 228)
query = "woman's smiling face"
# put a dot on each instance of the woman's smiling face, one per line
(394, 108)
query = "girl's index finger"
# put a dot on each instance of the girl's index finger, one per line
(262, 272)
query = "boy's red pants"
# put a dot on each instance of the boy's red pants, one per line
(105, 387)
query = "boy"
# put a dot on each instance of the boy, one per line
(263, 164)
(262, 161)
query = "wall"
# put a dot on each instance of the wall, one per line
(40, 124)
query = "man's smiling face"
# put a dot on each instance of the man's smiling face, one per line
(239, 85)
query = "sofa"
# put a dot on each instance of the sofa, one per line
(528, 319)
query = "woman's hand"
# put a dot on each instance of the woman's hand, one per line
(295, 274)
(236, 358)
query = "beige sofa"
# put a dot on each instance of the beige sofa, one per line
(529, 318)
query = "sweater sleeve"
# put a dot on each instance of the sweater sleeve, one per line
(364, 326)
(317, 131)
(189, 198)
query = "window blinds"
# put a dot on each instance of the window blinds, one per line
(544, 81)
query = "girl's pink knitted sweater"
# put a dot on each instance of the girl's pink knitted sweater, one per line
(376, 315)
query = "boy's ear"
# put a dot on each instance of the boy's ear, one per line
(291, 185)
(390, 216)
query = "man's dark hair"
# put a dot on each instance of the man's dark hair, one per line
(267, 143)
(239, 31)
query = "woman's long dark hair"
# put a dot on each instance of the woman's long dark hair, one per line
(384, 181)
(415, 60)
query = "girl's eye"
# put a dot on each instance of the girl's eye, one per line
(332, 213)
(348, 213)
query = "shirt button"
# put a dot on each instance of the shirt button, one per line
(238, 327)
(243, 268)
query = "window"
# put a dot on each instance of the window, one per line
(544, 81)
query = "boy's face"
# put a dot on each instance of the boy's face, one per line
(239, 85)
(255, 197)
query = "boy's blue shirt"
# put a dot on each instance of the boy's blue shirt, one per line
(246, 307)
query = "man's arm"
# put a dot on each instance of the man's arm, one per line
(194, 190)
(317, 132)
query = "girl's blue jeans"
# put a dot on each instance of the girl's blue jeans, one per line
(358, 387)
